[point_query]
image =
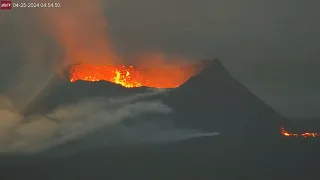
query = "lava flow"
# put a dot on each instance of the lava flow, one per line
(305, 134)
(130, 77)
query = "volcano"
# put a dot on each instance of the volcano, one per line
(211, 99)
(250, 144)
(209, 96)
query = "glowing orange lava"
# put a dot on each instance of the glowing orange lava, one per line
(305, 134)
(129, 76)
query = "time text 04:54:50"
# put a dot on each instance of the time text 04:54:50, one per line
(36, 5)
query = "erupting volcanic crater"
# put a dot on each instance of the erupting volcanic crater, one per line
(132, 77)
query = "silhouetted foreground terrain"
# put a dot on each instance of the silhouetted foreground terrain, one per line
(250, 145)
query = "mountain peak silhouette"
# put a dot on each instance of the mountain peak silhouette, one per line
(210, 100)
(214, 100)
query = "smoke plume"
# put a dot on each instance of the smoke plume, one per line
(79, 26)
(68, 122)
(81, 29)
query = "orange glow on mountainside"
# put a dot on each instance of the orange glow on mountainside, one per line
(130, 76)
(305, 134)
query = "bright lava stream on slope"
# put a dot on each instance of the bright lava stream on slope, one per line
(130, 77)
(305, 134)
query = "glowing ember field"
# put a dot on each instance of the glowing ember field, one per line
(130, 77)
(305, 134)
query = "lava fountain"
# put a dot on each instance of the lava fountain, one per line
(131, 77)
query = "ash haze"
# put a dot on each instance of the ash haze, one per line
(270, 46)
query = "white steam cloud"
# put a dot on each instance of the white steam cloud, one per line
(66, 123)
(71, 122)
(153, 132)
